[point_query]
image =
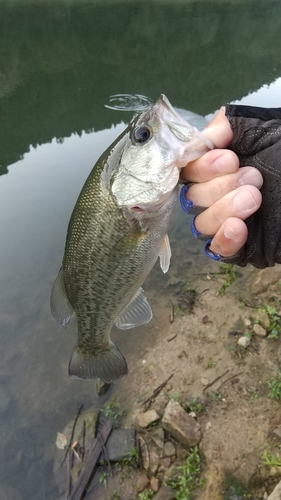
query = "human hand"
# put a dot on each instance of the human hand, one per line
(229, 193)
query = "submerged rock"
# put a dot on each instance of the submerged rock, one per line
(180, 425)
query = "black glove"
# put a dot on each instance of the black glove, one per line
(257, 142)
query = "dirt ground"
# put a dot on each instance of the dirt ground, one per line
(201, 345)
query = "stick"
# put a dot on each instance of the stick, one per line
(215, 380)
(105, 453)
(157, 390)
(91, 463)
(69, 467)
(72, 434)
(172, 338)
(229, 378)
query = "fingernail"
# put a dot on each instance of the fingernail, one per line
(244, 201)
(251, 176)
(229, 232)
(225, 164)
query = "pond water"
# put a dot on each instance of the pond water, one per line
(60, 65)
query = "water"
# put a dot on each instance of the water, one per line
(72, 74)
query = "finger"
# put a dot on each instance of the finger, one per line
(219, 130)
(207, 193)
(215, 163)
(241, 203)
(231, 236)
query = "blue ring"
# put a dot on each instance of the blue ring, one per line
(194, 231)
(186, 205)
(209, 253)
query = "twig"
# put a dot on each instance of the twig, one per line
(215, 380)
(172, 338)
(69, 467)
(83, 440)
(172, 314)
(72, 434)
(86, 473)
(105, 453)
(157, 390)
(229, 378)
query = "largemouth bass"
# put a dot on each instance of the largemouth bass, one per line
(117, 231)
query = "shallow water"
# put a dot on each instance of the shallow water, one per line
(60, 65)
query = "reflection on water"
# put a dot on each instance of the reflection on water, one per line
(59, 65)
(128, 102)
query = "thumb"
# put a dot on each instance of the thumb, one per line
(219, 130)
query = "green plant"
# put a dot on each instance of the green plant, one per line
(103, 477)
(254, 394)
(186, 478)
(275, 387)
(116, 495)
(113, 412)
(146, 495)
(194, 405)
(275, 323)
(229, 277)
(270, 459)
(210, 364)
(132, 460)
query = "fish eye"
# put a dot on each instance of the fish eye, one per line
(142, 134)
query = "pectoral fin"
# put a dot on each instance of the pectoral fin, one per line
(60, 305)
(165, 254)
(138, 312)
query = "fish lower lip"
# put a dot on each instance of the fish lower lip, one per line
(137, 209)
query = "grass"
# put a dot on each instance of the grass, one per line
(210, 364)
(195, 406)
(229, 277)
(270, 459)
(275, 322)
(274, 386)
(186, 478)
(113, 412)
(146, 495)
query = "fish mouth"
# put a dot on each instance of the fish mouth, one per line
(174, 121)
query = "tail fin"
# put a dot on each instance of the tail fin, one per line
(107, 366)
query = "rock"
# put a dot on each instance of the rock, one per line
(61, 441)
(154, 483)
(146, 418)
(144, 453)
(166, 462)
(165, 493)
(247, 322)
(158, 438)
(120, 444)
(276, 494)
(275, 472)
(265, 278)
(204, 380)
(154, 460)
(244, 341)
(102, 388)
(180, 425)
(277, 431)
(259, 330)
(262, 318)
(169, 449)
(141, 482)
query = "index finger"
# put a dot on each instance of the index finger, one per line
(216, 162)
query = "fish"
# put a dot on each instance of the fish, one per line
(117, 231)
